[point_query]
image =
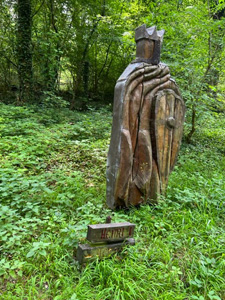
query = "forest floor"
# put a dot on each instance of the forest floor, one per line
(52, 185)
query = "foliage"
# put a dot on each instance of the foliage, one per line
(52, 186)
(51, 100)
(83, 47)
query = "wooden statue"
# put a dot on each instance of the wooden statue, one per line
(147, 126)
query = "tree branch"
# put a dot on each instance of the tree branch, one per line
(39, 8)
(106, 59)
(9, 60)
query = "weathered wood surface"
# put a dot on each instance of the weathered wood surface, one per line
(87, 252)
(147, 128)
(110, 232)
(168, 132)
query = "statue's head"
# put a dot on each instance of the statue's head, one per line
(148, 44)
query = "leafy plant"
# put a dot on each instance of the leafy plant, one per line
(52, 186)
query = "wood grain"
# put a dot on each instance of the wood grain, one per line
(149, 136)
(112, 232)
(86, 252)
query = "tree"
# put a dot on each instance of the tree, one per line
(24, 51)
(8, 63)
(83, 46)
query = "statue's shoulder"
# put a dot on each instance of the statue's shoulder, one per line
(130, 69)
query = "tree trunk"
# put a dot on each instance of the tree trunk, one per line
(55, 68)
(86, 78)
(24, 52)
(192, 131)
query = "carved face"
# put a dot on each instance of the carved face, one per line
(149, 41)
(145, 48)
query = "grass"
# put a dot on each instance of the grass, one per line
(52, 185)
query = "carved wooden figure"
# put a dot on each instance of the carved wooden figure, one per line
(147, 126)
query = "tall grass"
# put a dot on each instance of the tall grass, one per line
(52, 186)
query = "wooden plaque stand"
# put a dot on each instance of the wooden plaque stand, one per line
(105, 239)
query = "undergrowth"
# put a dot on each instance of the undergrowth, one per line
(52, 185)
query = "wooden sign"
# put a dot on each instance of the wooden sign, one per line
(106, 239)
(110, 232)
(86, 252)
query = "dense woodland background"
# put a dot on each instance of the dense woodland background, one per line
(59, 62)
(75, 50)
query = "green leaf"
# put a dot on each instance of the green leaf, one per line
(31, 253)
(42, 252)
